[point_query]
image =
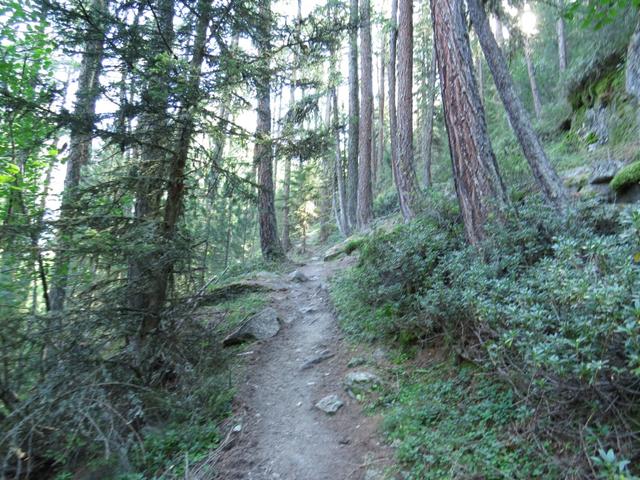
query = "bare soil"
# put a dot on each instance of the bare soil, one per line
(279, 434)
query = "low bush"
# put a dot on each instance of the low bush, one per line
(551, 307)
(386, 203)
(459, 423)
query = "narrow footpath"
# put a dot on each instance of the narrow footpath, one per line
(279, 431)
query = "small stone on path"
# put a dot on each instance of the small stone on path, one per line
(298, 276)
(330, 404)
(325, 355)
(361, 381)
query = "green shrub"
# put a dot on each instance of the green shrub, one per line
(386, 203)
(459, 423)
(353, 244)
(381, 296)
(626, 177)
(166, 449)
(553, 305)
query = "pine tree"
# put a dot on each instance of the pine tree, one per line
(365, 195)
(263, 152)
(408, 191)
(479, 187)
(544, 173)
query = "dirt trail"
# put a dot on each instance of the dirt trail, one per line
(283, 436)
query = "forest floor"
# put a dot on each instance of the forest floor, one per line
(277, 432)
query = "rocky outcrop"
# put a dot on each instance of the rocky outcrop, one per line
(629, 195)
(632, 82)
(235, 289)
(603, 171)
(596, 126)
(335, 252)
(606, 181)
(576, 178)
(262, 325)
(599, 191)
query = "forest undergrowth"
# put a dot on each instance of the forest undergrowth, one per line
(517, 359)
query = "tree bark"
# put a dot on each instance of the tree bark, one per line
(327, 186)
(286, 191)
(544, 173)
(263, 153)
(374, 150)
(478, 184)
(480, 75)
(427, 120)
(393, 126)
(365, 194)
(286, 186)
(353, 127)
(562, 42)
(79, 148)
(343, 222)
(381, 94)
(145, 275)
(338, 175)
(535, 93)
(408, 191)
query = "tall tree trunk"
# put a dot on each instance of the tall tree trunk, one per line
(409, 193)
(427, 120)
(393, 125)
(354, 118)
(145, 270)
(263, 153)
(276, 128)
(176, 174)
(365, 194)
(381, 94)
(338, 175)
(163, 270)
(227, 240)
(286, 190)
(478, 184)
(286, 186)
(80, 147)
(535, 93)
(327, 181)
(343, 221)
(544, 173)
(374, 150)
(562, 42)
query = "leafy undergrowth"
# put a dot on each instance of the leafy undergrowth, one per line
(229, 314)
(456, 422)
(186, 439)
(177, 423)
(549, 311)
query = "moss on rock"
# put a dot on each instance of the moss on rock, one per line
(626, 177)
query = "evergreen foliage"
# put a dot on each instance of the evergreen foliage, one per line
(129, 203)
(549, 308)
